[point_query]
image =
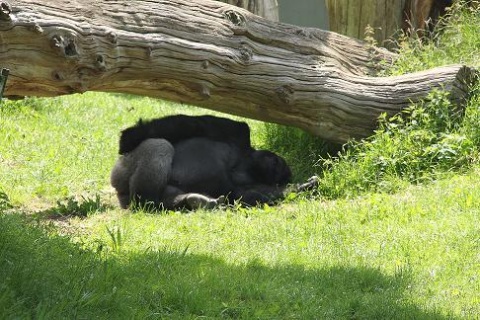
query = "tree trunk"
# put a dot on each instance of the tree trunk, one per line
(264, 8)
(422, 16)
(351, 17)
(212, 55)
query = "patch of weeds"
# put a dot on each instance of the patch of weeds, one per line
(116, 237)
(73, 207)
(29, 106)
(4, 202)
(420, 143)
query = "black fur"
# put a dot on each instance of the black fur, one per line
(183, 161)
(181, 127)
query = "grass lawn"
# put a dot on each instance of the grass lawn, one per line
(392, 233)
(414, 254)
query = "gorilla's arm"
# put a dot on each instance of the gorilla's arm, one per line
(181, 127)
(257, 194)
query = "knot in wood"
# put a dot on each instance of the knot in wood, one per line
(235, 18)
(70, 48)
(246, 53)
(112, 37)
(5, 10)
(57, 76)
(66, 45)
(100, 63)
(285, 93)
(204, 91)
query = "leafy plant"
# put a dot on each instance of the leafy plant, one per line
(83, 208)
(420, 143)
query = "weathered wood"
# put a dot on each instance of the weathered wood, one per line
(212, 55)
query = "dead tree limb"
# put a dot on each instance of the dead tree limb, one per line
(209, 54)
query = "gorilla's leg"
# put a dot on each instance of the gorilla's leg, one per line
(119, 179)
(141, 175)
(258, 194)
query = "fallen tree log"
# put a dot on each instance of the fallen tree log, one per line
(213, 55)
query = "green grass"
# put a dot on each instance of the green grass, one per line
(393, 232)
(381, 256)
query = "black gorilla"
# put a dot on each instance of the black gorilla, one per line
(190, 162)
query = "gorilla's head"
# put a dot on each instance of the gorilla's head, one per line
(269, 168)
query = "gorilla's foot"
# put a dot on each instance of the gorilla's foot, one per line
(311, 184)
(196, 201)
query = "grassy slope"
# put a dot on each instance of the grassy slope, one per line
(414, 254)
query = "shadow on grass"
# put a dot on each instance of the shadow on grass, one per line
(50, 277)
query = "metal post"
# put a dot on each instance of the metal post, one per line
(3, 80)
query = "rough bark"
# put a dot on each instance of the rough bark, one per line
(212, 55)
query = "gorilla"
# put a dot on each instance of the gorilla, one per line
(190, 162)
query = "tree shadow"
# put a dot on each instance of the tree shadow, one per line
(199, 285)
(47, 276)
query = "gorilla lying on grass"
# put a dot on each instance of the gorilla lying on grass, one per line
(192, 162)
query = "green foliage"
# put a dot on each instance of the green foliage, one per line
(421, 143)
(45, 277)
(382, 256)
(428, 139)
